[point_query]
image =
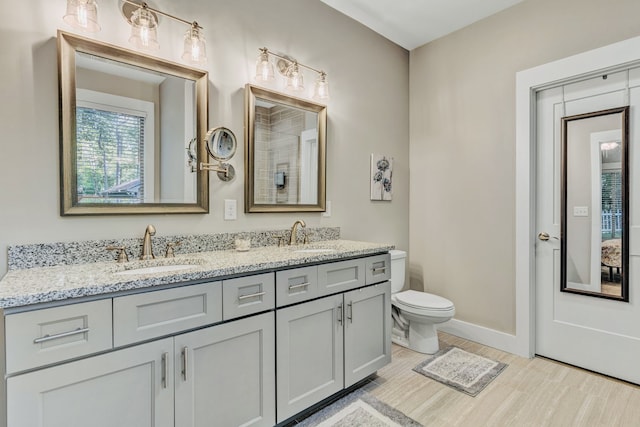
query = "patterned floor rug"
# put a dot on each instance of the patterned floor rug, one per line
(358, 409)
(461, 370)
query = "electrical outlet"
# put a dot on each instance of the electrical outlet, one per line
(580, 211)
(230, 210)
(327, 212)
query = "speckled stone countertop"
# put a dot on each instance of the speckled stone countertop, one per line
(22, 287)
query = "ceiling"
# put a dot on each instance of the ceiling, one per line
(412, 23)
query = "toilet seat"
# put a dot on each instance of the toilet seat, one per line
(423, 303)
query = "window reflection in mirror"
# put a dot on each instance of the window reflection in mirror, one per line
(125, 140)
(285, 153)
(127, 121)
(594, 246)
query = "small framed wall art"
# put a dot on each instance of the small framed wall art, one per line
(381, 177)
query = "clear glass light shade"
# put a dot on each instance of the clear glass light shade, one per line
(195, 46)
(295, 80)
(82, 15)
(144, 30)
(321, 88)
(264, 68)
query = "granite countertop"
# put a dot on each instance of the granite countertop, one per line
(47, 284)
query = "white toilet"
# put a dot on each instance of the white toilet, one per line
(415, 314)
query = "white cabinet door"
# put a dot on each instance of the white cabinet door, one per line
(309, 342)
(126, 388)
(225, 375)
(367, 331)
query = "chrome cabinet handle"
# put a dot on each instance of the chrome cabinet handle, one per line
(340, 314)
(257, 294)
(301, 285)
(379, 269)
(60, 335)
(165, 369)
(350, 312)
(185, 353)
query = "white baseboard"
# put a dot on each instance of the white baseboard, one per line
(482, 335)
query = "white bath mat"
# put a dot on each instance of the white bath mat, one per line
(461, 370)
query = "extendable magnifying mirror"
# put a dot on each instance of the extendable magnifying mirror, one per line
(221, 145)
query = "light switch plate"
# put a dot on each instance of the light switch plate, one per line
(580, 211)
(230, 209)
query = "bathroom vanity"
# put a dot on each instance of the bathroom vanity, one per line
(219, 338)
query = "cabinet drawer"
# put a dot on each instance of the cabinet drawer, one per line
(153, 314)
(248, 295)
(56, 334)
(340, 276)
(297, 285)
(378, 269)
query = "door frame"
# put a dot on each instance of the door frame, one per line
(616, 56)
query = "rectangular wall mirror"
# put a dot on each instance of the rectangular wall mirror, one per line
(126, 122)
(595, 204)
(285, 155)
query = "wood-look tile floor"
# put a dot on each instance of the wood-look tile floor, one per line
(529, 392)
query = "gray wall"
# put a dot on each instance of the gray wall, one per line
(361, 121)
(462, 148)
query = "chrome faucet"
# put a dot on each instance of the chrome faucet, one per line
(294, 232)
(147, 249)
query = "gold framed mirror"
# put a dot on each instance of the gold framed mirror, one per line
(127, 122)
(594, 240)
(285, 152)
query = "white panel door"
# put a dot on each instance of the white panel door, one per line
(126, 388)
(594, 333)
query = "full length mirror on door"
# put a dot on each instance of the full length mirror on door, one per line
(595, 203)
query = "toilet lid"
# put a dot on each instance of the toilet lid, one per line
(424, 300)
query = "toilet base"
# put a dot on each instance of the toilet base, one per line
(423, 337)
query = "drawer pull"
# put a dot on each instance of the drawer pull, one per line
(60, 335)
(301, 285)
(257, 294)
(379, 269)
(185, 352)
(165, 369)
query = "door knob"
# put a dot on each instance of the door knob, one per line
(544, 236)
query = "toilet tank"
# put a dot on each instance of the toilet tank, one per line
(397, 270)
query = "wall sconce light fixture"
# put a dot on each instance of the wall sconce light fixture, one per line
(144, 24)
(83, 15)
(290, 69)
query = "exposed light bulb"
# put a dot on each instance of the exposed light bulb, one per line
(321, 88)
(295, 80)
(144, 33)
(264, 67)
(195, 49)
(82, 15)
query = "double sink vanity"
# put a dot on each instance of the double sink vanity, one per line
(223, 338)
(207, 335)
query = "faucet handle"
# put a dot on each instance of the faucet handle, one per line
(169, 253)
(122, 253)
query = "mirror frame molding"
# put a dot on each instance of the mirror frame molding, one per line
(251, 93)
(624, 112)
(68, 45)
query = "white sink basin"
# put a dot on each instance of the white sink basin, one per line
(155, 269)
(313, 251)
